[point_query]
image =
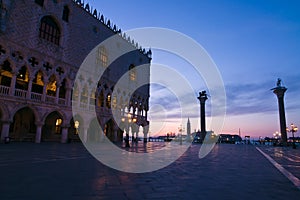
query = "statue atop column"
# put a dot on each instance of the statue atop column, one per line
(279, 91)
(202, 98)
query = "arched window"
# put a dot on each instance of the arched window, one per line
(22, 79)
(51, 87)
(38, 83)
(92, 98)
(5, 74)
(84, 95)
(49, 30)
(101, 99)
(62, 90)
(132, 72)
(102, 57)
(75, 92)
(108, 101)
(66, 13)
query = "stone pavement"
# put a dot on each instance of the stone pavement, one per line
(286, 159)
(68, 171)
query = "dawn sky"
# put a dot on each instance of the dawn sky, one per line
(252, 43)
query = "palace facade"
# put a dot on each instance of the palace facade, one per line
(42, 46)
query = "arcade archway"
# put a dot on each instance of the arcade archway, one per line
(52, 129)
(23, 126)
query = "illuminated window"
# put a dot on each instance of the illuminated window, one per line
(102, 58)
(51, 87)
(22, 79)
(114, 102)
(75, 93)
(49, 30)
(108, 101)
(132, 73)
(84, 95)
(38, 83)
(92, 98)
(58, 126)
(6, 74)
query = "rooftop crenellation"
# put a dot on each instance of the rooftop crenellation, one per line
(93, 12)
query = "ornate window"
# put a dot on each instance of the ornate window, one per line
(114, 102)
(5, 74)
(102, 57)
(108, 101)
(92, 98)
(132, 72)
(51, 87)
(62, 90)
(84, 95)
(22, 79)
(49, 30)
(75, 92)
(38, 83)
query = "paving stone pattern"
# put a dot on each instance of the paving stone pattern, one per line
(68, 171)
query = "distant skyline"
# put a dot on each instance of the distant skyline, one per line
(252, 43)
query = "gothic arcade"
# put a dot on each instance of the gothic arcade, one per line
(42, 45)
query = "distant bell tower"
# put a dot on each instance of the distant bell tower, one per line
(279, 91)
(188, 129)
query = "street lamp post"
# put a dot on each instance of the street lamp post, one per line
(180, 130)
(293, 130)
(277, 137)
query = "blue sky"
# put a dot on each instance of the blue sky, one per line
(252, 43)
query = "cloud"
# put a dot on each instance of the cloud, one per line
(241, 99)
(258, 98)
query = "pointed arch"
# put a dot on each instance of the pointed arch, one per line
(62, 89)
(38, 82)
(22, 78)
(101, 99)
(52, 85)
(23, 124)
(6, 73)
(52, 127)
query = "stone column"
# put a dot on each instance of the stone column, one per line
(57, 93)
(5, 130)
(145, 131)
(13, 84)
(29, 88)
(115, 130)
(202, 98)
(279, 91)
(135, 130)
(127, 136)
(44, 91)
(68, 96)
(38, 134)
(85, 136)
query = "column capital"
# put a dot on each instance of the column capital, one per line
(279, 91)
